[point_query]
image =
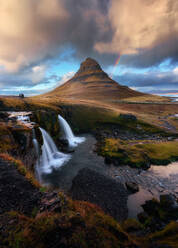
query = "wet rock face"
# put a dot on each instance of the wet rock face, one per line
(47, 120)
(96, 188)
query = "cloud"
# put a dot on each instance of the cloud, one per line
(32, 30)
(38, 73)
(29, 30)
(151, 81)
(146, 31)
(66, 77)
(34, 34)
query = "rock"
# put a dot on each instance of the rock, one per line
(105, 192)
(23, 197)
(68, 149)
(90, 67)
(168, 201)
(64, 142)
(151, 206)
(142, 217)
(129, 117)
(3, 116)
(132, 187)
(50, 202)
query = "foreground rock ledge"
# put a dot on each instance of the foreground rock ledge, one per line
(111, 196)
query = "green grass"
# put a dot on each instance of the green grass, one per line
(138, 153)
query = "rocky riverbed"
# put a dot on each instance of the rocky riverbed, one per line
(152, 182)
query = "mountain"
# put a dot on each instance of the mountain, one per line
(92, 83)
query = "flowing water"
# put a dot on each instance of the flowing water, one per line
(83, 157)
(22, 117)
(153, 182)
(50, 158)
(58, 169)
(68, 134)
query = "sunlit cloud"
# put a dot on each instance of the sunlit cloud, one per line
(142, 26)
(42, 42)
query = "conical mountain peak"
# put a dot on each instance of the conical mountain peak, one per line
(92, 83)
(90, 62)
(90, 67)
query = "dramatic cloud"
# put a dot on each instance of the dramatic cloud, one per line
(28, 30)
(32, 30)
(146, 30)
(34, 34)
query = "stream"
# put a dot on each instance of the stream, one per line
(152, 183)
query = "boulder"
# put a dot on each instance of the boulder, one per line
(3, 116)
(128, 117)
(64, 142)
(132, 187)
(101, 190)
(169, 202)
(142, 217)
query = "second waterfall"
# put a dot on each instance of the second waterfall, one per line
(68, 134)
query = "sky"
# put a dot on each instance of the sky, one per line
(43, 42)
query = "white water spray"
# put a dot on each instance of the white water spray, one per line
(68, 134)
(50, 158)
(37, 151)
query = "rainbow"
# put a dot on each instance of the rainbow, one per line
(115, 65)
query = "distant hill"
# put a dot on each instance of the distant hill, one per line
(92, 83)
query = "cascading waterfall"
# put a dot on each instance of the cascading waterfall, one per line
(37, 151)
(36, 144)
(68, 134)
(50, 158)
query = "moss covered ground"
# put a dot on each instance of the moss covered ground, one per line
(138, 153)
(78, 224)
(81, 224)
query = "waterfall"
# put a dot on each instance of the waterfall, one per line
(36, 144)
(51, 158)
(37, 151)
(68, 134)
